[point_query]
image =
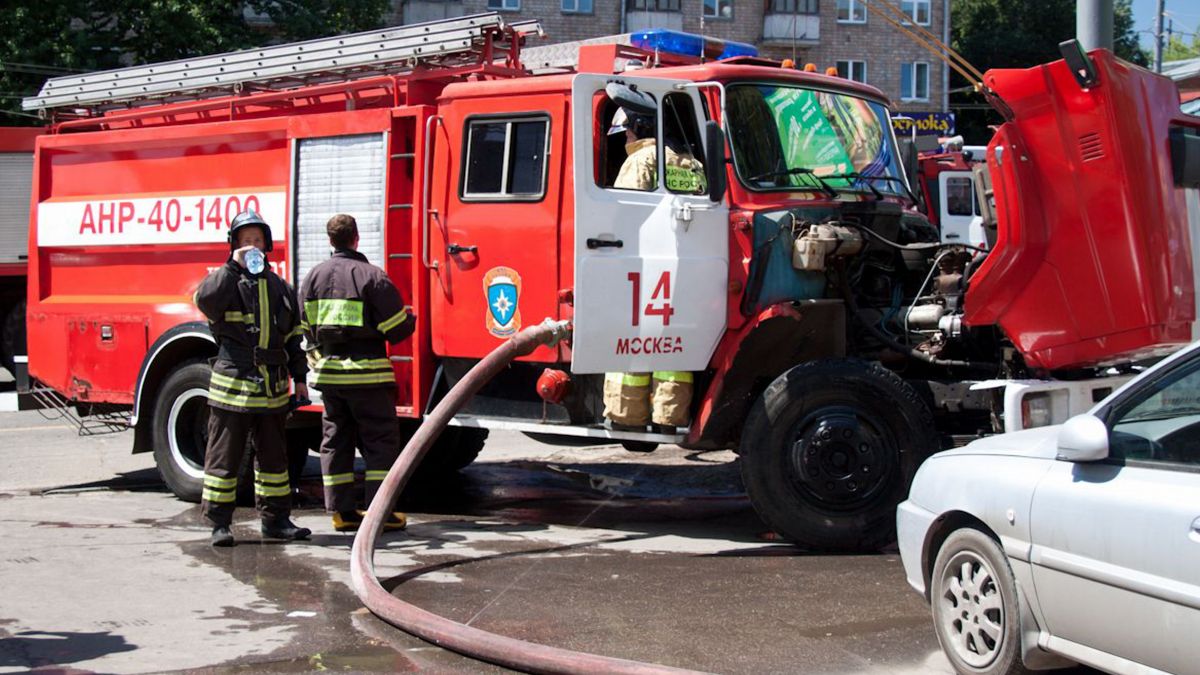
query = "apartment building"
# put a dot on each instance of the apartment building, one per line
(838, 33)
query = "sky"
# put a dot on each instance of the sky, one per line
(1186, 14)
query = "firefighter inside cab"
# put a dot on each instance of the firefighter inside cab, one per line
(351, 311)
(255, 318)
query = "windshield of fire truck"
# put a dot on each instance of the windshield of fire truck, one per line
(788, 138)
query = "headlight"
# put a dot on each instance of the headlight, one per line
(1036, 411)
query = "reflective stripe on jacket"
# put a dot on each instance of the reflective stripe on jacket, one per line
(351, 309)
(255, 320)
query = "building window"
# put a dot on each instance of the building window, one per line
(795, 7)
(851, 11)
(852, 70)
(718, 9)
(917, 10)
(505, 5)
(655, 5)
(914, 81)
(577, 6)
(505, 159)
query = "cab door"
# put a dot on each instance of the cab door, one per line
(652, 265)
(959, 218)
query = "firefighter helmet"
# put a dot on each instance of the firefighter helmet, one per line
(249, 218)
(641, 125)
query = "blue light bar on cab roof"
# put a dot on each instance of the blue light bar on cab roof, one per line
(690, 44)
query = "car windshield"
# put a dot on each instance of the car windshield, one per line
(789, 138)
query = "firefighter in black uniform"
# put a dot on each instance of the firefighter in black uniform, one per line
(255, 319)
(351, 308)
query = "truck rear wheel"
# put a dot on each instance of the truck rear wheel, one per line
(12, 336)
(455, 449)
(180, 429)
(830, 449)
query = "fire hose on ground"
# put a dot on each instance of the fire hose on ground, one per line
(473, 642)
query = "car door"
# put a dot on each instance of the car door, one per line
(1116, 543)
(652, 265)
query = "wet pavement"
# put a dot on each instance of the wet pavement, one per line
(654, 557)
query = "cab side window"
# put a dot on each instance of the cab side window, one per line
(505, 159)
(628, 156)
(684, 149)
(1161, 423)
(960, 196)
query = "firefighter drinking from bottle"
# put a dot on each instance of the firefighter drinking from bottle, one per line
(633, 400)
(352, 310)
(255, 319)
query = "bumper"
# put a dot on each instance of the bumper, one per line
(912, 528)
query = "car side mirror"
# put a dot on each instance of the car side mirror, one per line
(1083, 438)
(714, 160)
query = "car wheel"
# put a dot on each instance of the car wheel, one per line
(975, 605)
(829, 451)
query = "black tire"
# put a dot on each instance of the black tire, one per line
(829, 451)
(978, 623)
(455, 449)
(12, 336)
(639, 446)
(180, 429)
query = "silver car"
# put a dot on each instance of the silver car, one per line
(1077, 543)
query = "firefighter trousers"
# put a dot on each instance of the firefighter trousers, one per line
(636, 399)
(228, 433)
(362, 417)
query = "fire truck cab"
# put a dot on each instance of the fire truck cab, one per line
(788, 268)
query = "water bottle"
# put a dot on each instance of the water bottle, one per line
(256, 262)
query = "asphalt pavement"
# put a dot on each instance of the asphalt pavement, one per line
(655, 557)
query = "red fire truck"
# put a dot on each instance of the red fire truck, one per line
(16, 173)
(835, 340)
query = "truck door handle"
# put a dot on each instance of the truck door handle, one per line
(605, 243)
(455, 249)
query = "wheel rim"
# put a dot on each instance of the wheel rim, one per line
(838, 459)
(971, 610)
(187, 431)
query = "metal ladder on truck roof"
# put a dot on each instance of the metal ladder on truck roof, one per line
(388, 51)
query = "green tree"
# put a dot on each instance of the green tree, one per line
(1177, 50)
(1020, 34)
(46, 38)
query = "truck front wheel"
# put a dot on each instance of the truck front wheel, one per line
(830, 449)
(180, 426)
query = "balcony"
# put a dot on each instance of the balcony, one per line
(640, 19)
(800, 29)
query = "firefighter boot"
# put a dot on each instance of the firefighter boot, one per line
(396, 521)
(347, 521)
(284, 528)
(221, 536)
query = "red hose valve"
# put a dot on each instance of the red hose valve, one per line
(553, 385)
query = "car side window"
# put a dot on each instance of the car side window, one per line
(1162, 422)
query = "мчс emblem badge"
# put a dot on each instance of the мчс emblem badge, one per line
(502, 286)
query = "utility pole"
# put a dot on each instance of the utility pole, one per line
(1158, 35)
(1094, 23)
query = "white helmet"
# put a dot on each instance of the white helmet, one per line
(635, 122)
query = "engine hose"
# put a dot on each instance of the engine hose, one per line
(894, 345)
(473, 642)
